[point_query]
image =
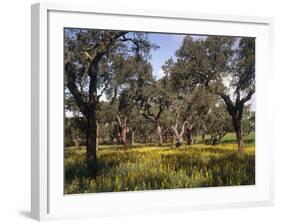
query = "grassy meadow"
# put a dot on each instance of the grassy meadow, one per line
(153, 167)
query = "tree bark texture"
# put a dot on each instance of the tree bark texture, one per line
(189, 136)
(239, 135)
(123, 130)
(160, 135)
(178, 136)
(91, 154)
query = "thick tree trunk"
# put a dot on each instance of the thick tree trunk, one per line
(240, 141)
(239, 136)
(124, 138)
(123, 130)
(91, 143)
(159, 134)
(189, 136)
(91, 115)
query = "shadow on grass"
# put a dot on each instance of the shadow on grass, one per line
(80, 170)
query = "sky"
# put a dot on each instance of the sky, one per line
(168, 44)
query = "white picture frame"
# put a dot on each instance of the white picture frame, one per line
(47, 198)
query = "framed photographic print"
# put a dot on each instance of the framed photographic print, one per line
(148, 111)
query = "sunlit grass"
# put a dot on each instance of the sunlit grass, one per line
(153, 167)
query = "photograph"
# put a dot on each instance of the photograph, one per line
(154, 111)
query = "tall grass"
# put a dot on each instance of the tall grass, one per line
(152, 167)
